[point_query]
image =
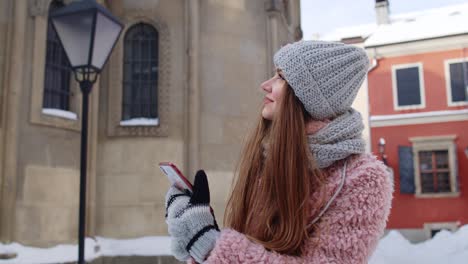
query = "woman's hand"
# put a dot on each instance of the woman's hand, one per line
(191, 222)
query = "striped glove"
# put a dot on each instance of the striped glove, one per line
(191, 222)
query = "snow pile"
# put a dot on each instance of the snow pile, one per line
(57, 254)
(445, 247)
(144, 246)
(94, 248)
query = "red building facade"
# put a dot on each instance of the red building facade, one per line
(417, 90)
(418, 106)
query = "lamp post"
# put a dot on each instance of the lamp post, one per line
(382, 150)
(88, 32)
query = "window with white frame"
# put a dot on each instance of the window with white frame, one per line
(408, 86)
(456, 75)
(435, 165)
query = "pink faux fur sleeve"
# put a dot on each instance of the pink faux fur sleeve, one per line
(349, 230)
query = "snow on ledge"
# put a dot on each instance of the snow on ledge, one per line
(60, 113)
(140, 122)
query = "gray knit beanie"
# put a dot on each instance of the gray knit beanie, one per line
(325, 76)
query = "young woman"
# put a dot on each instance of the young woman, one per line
(305, 192)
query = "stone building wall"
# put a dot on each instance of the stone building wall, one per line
(213, 56)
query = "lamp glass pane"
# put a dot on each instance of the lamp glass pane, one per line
(75, 33)
(107, 32)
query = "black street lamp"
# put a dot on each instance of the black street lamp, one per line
(88, 32)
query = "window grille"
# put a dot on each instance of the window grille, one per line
(434, 171)
(57, 70)
(140, 84)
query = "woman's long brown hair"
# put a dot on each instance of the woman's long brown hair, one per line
(269, 201)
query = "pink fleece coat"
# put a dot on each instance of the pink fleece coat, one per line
(349, 230)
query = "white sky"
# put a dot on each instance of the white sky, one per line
(322, 16)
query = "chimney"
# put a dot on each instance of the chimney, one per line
(382, 12)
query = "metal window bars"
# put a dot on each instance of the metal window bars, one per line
(140, 72)
(57, 70)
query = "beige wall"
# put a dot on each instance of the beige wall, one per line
(47, 176)
(4, 21)
(230, 52)
(130, 186)
(5, 17)
(233, 64)
(40, 165)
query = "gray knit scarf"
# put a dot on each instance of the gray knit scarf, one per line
(338, 139)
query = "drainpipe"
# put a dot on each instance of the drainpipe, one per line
(465, 77)
(374, 61)
(374, 64)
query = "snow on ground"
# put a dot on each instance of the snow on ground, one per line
(57, 254)
(94, 248)
(445, 247)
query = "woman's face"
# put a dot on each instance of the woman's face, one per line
(274, 88)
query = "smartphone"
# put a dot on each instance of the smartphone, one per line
(175, 176)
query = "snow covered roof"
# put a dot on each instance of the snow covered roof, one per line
(426, 24)
(362, 31)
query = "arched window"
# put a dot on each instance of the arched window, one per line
(57, 69)
(140, 84)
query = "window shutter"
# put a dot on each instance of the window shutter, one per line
(405, 155)
(455, 169)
